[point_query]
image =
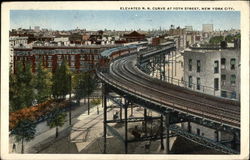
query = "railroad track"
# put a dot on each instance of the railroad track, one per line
(126, 75)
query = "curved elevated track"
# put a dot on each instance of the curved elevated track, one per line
(125, 75)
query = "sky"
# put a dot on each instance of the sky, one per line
(121, 20)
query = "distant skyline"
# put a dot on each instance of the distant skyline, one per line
(122, 20)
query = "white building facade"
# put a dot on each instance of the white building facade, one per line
(15, 41)
(207, 28)
(213, 71)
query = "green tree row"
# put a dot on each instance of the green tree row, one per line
(27, 88)
(216, 40)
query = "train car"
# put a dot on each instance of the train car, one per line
(110, 54)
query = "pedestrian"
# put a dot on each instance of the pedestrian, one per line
(14, 147)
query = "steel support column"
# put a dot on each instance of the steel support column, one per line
(168, 67)
(88, 91)
(217, 135)
(162, 145)
(105, 118)
(102, 94)
(189, 126)
(131, 109)
(164, 67)
(172, 68)
(167, 132)
(145, 121)
(126, 127)
(233, 144)
(120, 113)
(70, 80)
(161, 64)
(153, 67)
(175, 63)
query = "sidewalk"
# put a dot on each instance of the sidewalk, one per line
(86, 136)
(85, 130)
(44, 134)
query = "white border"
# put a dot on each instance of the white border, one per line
(242, 6)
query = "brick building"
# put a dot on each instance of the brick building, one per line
(134, 36)
(78, 58)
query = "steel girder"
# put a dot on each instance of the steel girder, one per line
(202, 140)
(164, 111)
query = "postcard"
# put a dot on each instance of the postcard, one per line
(125, 80)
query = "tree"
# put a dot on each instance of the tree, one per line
(216, 40)
(96, 102)
(237, 36)
(84, 84)
(25, 130)
(61, 81)
(56, 84)
(223, 44)
(13, 93)
(79, 86)
(42, 84)
(56, 119)
(229, 38)
(21, 87)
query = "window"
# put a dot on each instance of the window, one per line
(49, 58)
(224, 94)
(190, 64)
(233, 95)
(198, 83)
(216, 84)
(233, 79)
(190, 81)
(232, 63)
(49, 64)
(223, 63)
(198, 65)
(198, 131)
(223, 79)
(216, 66)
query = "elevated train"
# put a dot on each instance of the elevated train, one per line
(110, 54)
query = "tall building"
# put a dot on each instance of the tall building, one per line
(15, 41)
(189, 28)
(36, 28)
(207, 28)
(213, 71)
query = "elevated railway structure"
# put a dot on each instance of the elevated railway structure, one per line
(175, 104)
